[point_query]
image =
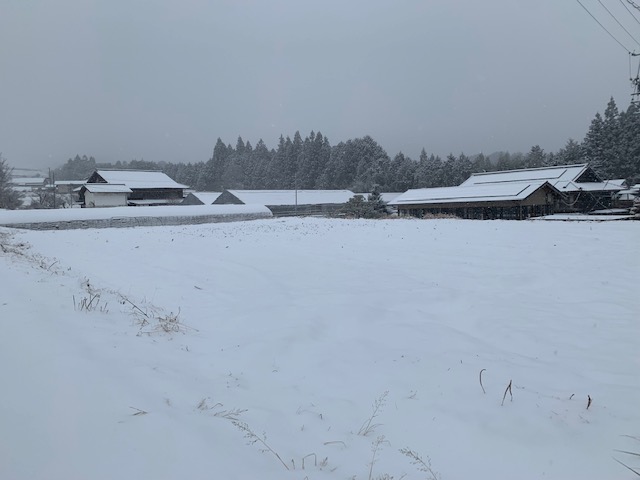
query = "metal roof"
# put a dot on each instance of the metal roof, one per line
(292, 197)
(136, 179)
(470, 194)
(561, 173)
(106, 188)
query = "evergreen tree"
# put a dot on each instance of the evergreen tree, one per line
(481, 164)
(401, 173)
(9, 198)
(629, 164)
(313, 160)
(570, 154)
(536, 158)
(428, 171)
(77, 168)
(260, 161)
(593, 145)
(377, 205)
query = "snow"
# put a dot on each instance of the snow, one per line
(474, 193)
(562, 173)
(583, 217)
(14, 217)
(139, 179)
(298, 326)
(106, 188)
(292, 197)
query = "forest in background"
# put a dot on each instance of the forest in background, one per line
(611, 146)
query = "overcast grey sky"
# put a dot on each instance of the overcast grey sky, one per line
(162, 80)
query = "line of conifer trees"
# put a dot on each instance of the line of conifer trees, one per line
(611, 146)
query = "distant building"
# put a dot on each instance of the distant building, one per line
(29, 183)
(289, 202)
(146, 187)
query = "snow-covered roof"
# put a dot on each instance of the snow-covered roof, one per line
(561, 173)
(106, 188)
(28, 180)
(476, 193)
(69, 182)
(389, 196)
(136, 179)
(386, 196)
(292, 197)
(635, 190)
(207, 198)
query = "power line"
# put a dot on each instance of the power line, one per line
(618, 21)
(630, 12)
(603, 27)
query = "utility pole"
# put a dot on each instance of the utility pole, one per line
(635, 96)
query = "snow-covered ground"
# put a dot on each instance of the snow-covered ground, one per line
(297, 328)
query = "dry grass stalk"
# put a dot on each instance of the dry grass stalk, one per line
(368, 426)
(421, 465)
(375, 446)
(482, 386)
(507, 390)
(254, 438)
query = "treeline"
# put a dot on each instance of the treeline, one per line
(612, 146)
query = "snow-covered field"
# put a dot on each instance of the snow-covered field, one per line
(294, 330)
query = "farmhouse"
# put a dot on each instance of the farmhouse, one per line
(147, 187)
(289, 202)
(509, 201)
(581, 187)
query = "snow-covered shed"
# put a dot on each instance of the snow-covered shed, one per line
(288, 202)
(200, 198)
(148, 187)
(491, 201)
(581, 187)
(104, 195)
(29, 182)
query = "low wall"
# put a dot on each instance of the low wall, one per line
(130, 217)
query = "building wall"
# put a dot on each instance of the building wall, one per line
(191, 199)
(105, 199)
(127, 222)
(169, 194)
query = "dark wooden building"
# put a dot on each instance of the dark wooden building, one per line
(510, 202)
(148, 187)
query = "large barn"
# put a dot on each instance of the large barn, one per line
(582, 188)
(510, 201)
(514, 194)
(148, 187)
(289, 202)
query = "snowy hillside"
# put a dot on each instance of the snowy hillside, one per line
(247, 350)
